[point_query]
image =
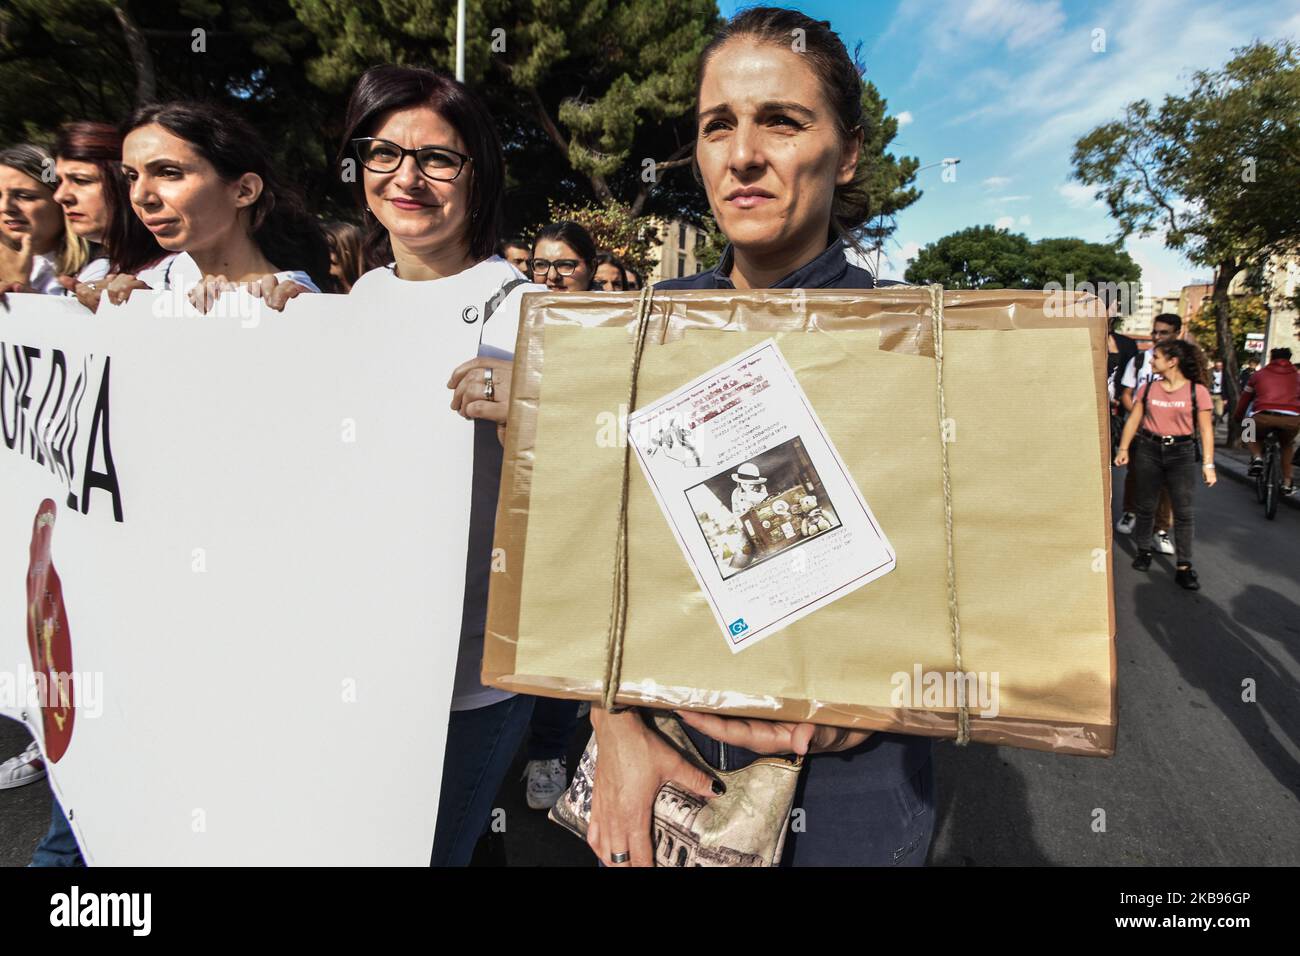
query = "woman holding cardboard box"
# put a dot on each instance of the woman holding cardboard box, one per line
(779, 135)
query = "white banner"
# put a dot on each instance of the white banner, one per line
(244, 537)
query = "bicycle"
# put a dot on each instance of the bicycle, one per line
(1268, 483)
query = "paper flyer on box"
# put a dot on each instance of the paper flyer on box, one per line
(768, 516)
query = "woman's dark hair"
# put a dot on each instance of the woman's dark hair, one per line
(841, 82)
(609, 259)
(288, 235)
(382, 89)
(573, 235)
(1191, 360)
(129, 245)
(344, 240)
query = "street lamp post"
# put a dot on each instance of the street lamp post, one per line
(460, 40)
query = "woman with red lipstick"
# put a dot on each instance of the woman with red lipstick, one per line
(779, 136)
(36, 247)
(430, 186)
(202, 182)
(97, 206)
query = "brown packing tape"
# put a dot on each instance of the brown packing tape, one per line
(899, 320)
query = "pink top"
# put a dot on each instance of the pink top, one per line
(1170, 413)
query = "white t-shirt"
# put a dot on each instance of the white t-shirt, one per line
(1135, 378)
(460, 301)
(45, 276)
(92, 271)
(182, 272)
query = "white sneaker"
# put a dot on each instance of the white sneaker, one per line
(1163, 543)
(27, 767)
(1126, 523)
(546, 781)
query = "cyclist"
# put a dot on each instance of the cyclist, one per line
(1272, 398)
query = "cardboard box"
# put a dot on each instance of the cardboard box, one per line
(1026, 437)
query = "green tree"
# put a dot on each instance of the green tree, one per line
(984, 257)
(1215, 171)
(888, 180)
(595, 97)
(99, 59)
(1246, 313)
(979, 257)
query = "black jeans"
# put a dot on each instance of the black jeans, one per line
(1174, 468)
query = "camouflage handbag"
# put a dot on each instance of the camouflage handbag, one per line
(746, 826)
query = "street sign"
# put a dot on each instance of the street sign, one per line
(1254, 341)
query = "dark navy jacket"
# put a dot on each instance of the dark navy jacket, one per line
(884, 761)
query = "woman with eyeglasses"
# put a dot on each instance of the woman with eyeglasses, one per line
(564, 257)
(431, 183)
(779, 136)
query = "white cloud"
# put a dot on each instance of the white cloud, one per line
(1017, 23)
(1024, 220)
(904, 118)
(1012, 199)
(1006, 222)
(996, 182)
(1078, 196)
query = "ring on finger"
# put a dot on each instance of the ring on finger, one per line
(489, 387)
(620, 857)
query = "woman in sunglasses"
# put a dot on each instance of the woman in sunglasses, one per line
(430, 187)
(564, 257)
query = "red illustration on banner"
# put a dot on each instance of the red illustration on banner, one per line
(48, 638)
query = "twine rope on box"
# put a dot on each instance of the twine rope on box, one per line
(618, 607)
(954, 622)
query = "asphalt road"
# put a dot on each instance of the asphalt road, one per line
(1200, 777)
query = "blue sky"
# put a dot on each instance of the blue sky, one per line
(1008, 86)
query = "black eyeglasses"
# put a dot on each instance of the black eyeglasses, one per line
(435, 162)
(563, 267)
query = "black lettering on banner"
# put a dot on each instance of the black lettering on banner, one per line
(24, 399)
(107, 479)
(8, 386)
(50, 434)
(41, 429)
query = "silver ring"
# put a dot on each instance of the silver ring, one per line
(489, 388)
(620, 857)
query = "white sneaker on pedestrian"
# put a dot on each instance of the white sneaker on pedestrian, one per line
(27, 767)
(1163, 543)
(1126, 522)
(547, 779)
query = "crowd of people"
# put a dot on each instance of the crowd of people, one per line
(1166, 403)
(184, 196)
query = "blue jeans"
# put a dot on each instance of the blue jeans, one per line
(848, 818)
(554, 721)
(481, 745)
(58, 847)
